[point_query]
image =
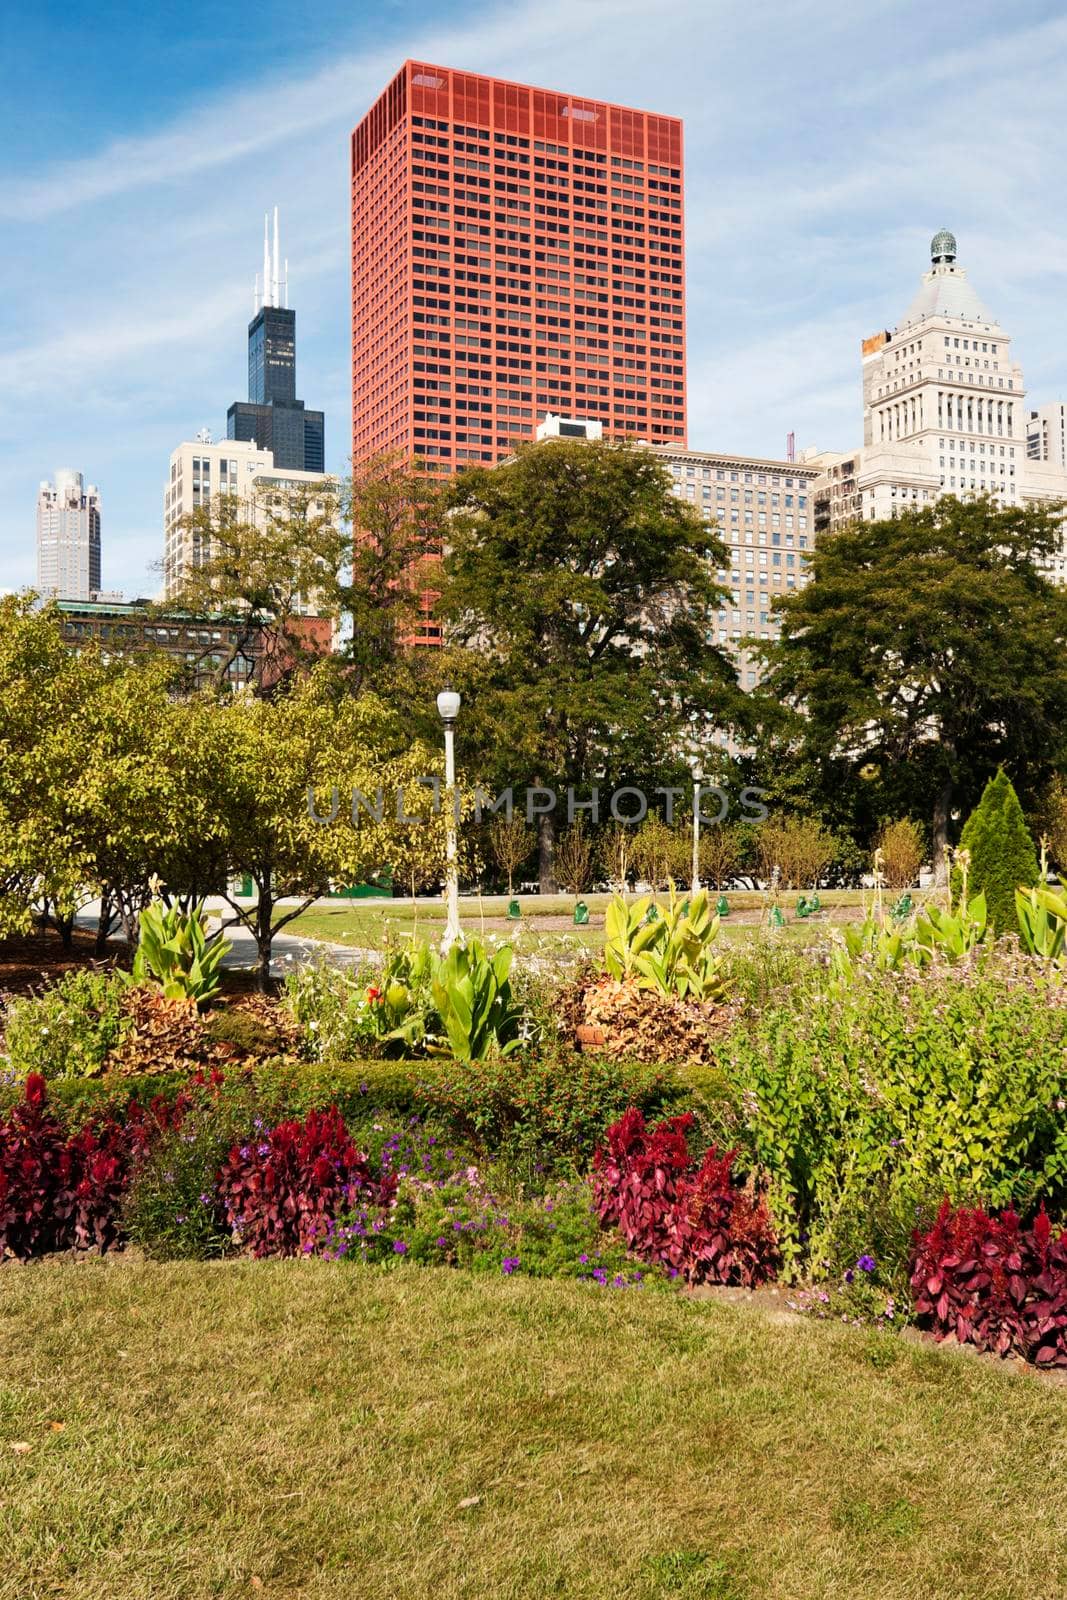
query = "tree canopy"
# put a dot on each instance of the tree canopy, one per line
(588, 590)
(927, 650)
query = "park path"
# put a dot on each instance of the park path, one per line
(289, 949)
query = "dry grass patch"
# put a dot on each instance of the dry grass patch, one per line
(313, 1431)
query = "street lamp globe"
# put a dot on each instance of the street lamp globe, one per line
(448, 704)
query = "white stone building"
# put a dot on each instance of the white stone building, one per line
(943, 412)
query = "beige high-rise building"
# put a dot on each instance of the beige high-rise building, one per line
(763, 510)
(943, 412)
(201, 470)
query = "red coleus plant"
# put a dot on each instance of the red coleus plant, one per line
(697, 1221)
(280, 1189)
(60, 1191)
(993, 1283)
(721, 1232)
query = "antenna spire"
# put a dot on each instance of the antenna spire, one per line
(275, 286)
(285, 284)
(266, 263)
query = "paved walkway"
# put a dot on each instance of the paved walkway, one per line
(288, 950)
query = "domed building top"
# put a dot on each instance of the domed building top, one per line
(943, 247)
(944, 291)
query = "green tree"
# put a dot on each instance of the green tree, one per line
(391, 509)
(1052, 821)
(926, 650)
(1001, 851)
(589, 591)
(262, 560)
(42, 691)
(271, 755)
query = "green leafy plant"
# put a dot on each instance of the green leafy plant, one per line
(949, 1080)
(1042, 915)
(628, 932)
(951, 934)
(672, 953)
(70, 1028)
(176, 951)
(474, 1003)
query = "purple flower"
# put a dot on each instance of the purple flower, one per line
(867, 1264)
(179, 1219)
(583, 1258)
(399, 1247)
(205, 1199)
(849, 1275)
(618, 1281)
(442, 1243)
(508, 1265)
(600, 1275)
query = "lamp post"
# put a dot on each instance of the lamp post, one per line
(697, 775)
(448, 703)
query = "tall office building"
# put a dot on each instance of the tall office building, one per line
(272, 417)
(515, 251)
(943, 413)
(68, 537)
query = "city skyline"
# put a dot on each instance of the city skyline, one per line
(799, 242)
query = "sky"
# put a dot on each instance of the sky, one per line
(141, 144)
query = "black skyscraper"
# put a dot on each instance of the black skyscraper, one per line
(272, 415)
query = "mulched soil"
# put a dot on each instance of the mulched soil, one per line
(29, 962)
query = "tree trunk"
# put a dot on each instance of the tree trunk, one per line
(264, 940)
(942, 804)
(546, 846)
(103, 925)
(66, 931)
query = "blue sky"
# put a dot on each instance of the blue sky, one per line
(824, 145)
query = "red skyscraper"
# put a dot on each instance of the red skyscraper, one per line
(514, 252)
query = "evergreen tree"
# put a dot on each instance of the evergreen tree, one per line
(1002, 852)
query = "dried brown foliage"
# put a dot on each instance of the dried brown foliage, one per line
(643, 1025)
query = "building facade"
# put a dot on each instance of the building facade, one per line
(198, 644)
(272, 417)
(1046, 435)
(514, 251)
(763, 511)
(68, 537)
(943, 413)
(200, 471)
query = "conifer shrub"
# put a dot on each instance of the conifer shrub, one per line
(1001, 851)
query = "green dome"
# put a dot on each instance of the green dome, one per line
(943, 246)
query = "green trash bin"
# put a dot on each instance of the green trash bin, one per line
(514, 911)
(803, 908)
(903, 908)
(581, 914)
(722, 906)
(776, 918)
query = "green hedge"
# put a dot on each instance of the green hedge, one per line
(552, 1109)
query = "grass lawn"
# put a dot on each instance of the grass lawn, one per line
(317, 1432)
(545, 919)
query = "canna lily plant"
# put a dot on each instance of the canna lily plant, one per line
(673, 953)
